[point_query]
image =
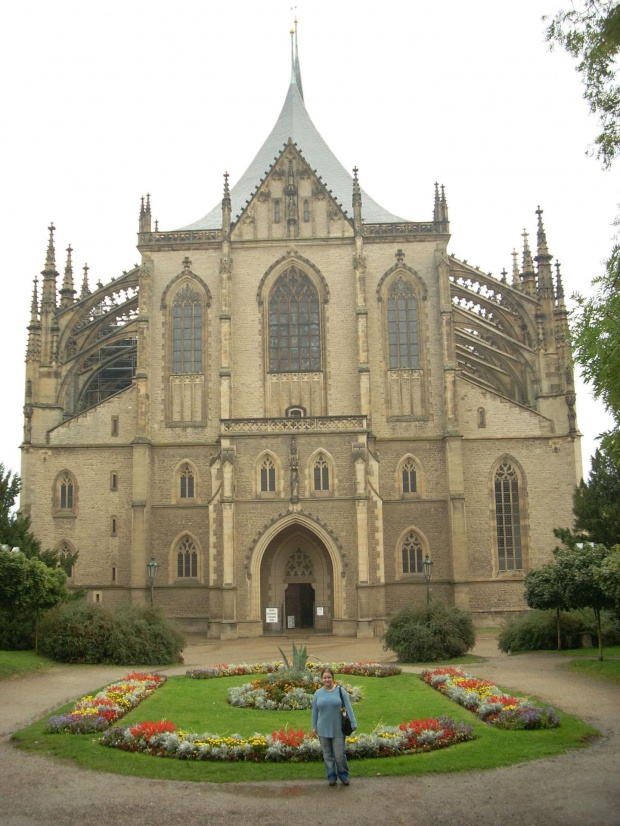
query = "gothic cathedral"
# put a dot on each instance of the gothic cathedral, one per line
(292, 403)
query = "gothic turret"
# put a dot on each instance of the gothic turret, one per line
(67, 293)
(33, 352)
(48, 292)
(357, 203)
(145, 214)
(85, 287)
(528, 275)
(543, 259)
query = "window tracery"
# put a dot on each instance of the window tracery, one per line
(187, 559)
(268, 475)
(321, 473)
(508, 518)
(404, 351)
(294, 324)
(412, 554)
(299, 564)
(187, 331)
(186, 483)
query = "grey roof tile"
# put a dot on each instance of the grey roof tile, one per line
(294, 122)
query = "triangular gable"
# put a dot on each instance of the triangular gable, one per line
(291, 202)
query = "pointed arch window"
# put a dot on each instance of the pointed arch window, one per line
(404, 349)
(294, 324)
(187, 331)
(66, 493)
(321, 473)
(508, 518)
(187, 559)
(186, 482)
(268, 476)
(410, 480)
(411, 553)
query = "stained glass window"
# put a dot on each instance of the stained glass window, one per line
(403, 326)
(187, 332)
(508, 518)
(412, 554)
(294, 326)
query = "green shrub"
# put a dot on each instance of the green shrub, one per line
(537, 630)
(82, 632)
(17, 630)
(441, 632)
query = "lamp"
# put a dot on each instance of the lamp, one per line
(427, 567)
(151, 569)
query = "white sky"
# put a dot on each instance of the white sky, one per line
(104, 102)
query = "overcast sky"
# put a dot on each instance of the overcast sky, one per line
(102, 103)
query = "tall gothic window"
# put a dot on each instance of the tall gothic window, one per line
(66, 494)
(268, 476)
(187, 332)
(508, 518)
(403, 325)
(412, 554)
(294, 328)
(321, 473)
(186, 480)
(410, 484)
(187, 559)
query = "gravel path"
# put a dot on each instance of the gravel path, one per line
(581, 787)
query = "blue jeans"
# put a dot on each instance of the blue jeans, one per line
(335, 758)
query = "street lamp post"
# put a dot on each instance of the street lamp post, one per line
(427, 567)
(151, 569)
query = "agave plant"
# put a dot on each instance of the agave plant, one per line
(298, 661)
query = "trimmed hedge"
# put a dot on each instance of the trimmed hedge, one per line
(440, 632)
(81, 632)
(537, 630)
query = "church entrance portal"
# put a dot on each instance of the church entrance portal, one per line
(296, 578)
(299, 605)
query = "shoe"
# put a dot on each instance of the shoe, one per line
(345, 782)
(332, 782)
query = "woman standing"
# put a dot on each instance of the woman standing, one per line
(327, 723)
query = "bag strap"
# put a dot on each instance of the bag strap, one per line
(342, 705)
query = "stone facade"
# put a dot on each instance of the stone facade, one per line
(291, 409)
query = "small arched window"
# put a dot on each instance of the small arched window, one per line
(187, 559)
(306, 212)
(66, 493)
(186, 481)
(294, 324)
(321, 473)
(508, 518)
(410, 482)
(404, 351)
(187, 331)
(412, 555)
(276, 213)
(268, 475)
(482, 419)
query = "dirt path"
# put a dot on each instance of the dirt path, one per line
(582, 787)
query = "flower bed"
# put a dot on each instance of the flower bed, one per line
(359, 669)
(284, 694)
(161, 740)
(488, 702)
(97, 713)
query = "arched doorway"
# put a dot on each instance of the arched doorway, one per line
(296, 577)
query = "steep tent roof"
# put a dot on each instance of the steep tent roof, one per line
(294, 122)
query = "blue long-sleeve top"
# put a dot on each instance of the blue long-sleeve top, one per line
(326, 716)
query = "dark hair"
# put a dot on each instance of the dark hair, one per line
(327, 669)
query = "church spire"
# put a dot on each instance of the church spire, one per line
(543, 259)
(516, 275)
(85, 287)
(295, 68)
(67, 292)
(226, 208)
(357, 202)
(48, 293)
(529, 274)
(33, 350)
(144, 224)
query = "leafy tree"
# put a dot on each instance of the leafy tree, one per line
(590, 32)
(580, 567)
(28, 586)
(545, 588)
(15, 530)
(609, 576)
(596, 344)
(596, 503)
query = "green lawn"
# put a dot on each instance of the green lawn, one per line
(13, 663)
(607, 669)
(200, 705)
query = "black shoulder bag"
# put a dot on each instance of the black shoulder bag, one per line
(347, 728)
